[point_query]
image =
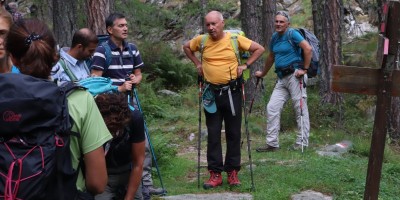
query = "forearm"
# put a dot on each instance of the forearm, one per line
(190, 54)
(268, 64)
(137, 151)
(256, 51)
(134, 182)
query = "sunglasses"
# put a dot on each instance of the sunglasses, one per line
(283, 13)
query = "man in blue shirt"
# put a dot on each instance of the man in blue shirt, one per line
(72, 64)
(291, 68)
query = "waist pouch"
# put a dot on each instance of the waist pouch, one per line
(286, 70)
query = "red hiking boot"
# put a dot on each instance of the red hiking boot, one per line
(214, 181)
(233, 179)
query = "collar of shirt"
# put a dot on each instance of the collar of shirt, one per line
(69, 58)
(114, 47)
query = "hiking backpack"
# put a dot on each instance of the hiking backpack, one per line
(35, 156)
(241, 56)
(313, 70)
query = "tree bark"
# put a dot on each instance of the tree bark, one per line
(203, 6)
(328, 26)
(251, 18)
(98, 11)
(269, 10)
(64, 21)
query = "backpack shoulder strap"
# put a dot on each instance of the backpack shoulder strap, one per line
(204, 39)
(67, 70)
(235, 46)
(290, 33)
(107, 53)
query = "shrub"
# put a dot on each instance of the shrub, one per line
(164, 68)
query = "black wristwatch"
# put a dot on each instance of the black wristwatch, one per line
(247, 65)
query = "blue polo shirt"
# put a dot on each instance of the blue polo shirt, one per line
(77, 67)
(285, 53)
(122, 62)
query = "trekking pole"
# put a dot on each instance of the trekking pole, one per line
(248, 136)
(149, 140)
(301, 114)
(254, 96)
(199, 81)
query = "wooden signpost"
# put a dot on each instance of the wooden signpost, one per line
(383, 82)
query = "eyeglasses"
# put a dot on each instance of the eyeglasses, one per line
(283, 13)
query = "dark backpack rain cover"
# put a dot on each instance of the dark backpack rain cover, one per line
(35, 157)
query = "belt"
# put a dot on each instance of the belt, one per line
(233, 85)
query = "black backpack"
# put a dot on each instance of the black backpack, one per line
(35, 156)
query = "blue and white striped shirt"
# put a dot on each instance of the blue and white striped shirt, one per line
(122, 62)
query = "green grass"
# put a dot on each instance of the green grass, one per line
(280, 174)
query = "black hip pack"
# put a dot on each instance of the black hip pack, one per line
(286, 70)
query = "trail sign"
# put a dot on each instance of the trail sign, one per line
(383, 82)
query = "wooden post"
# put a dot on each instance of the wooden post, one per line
(384, 83)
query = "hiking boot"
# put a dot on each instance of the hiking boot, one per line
(233, 179)
(214, 181)
(266, 148)
(154, 191)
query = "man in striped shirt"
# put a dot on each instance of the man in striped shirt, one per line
(126, 61)
(123, 66)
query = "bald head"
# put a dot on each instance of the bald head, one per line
(215, 14)
(85, 37)
(214, 22)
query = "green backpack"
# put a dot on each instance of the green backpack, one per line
(241, 56)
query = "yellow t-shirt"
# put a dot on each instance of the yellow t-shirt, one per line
(219, 61)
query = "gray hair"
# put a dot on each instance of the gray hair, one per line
(283, 13)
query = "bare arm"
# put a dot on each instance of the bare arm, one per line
(268, 64)
(307, 53)
(95, 171)
(190, 54)
(256, 51)
(135, 177)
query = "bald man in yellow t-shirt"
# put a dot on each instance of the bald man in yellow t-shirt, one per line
(222, 97)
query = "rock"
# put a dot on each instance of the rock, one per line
(225, 196)
(311, 195)
(336, 149)
(168, 93)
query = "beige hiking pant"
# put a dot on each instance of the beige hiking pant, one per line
(288, 86)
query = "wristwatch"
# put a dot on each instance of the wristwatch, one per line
(247, 65)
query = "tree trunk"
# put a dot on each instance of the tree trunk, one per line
(251, 18)
(203, 6)
(98, 11)
(64, 21)
(328, 22)
(269, 10)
